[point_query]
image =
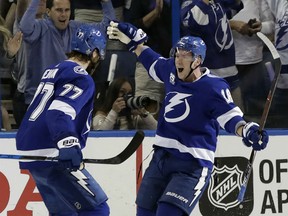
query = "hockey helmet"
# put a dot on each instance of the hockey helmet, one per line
(191, 44)
(87, 39)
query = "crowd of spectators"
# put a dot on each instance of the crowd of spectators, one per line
(228, 28)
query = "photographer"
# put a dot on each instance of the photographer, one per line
(122, 111)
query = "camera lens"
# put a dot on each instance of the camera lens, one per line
(137, 102)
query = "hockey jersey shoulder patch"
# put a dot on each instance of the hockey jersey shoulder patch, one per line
(79, 70)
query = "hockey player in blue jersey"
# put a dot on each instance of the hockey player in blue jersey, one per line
(57, 123)
(196, 105)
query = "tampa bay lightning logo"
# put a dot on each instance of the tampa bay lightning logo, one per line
(223, 35)
(80, 70)
(281, 43)
(177, 100)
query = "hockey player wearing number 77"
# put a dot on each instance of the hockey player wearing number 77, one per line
(57, 123)
(196, 105)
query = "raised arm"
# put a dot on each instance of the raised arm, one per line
(28, 22)
(12, 46)
(10, 17)
(128, 34)
(21, 9)
(108, 14)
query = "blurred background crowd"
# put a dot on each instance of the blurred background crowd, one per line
(36, 33)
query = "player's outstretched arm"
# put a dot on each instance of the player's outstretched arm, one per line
(253, 137)
(128, 34)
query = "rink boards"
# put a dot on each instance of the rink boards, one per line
(267, 191)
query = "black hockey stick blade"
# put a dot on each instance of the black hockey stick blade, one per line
(276, 72)
(120, 158)
(125, 154)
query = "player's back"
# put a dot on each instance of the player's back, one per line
(69, 88)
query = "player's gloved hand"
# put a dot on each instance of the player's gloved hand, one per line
(127, 34)
(70, 154)
(253, 137)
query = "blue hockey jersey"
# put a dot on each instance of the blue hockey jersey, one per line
(210, 22)
(192, 112)
(61, 107)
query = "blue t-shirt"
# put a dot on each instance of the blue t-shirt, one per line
(46, 45)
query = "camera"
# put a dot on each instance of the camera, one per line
(136, 102)
(251, 22)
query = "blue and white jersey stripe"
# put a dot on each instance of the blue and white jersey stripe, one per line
(192, 113)
(61, 107)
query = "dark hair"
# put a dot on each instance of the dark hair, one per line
(79, 56)
(113, 93)
(50, 3)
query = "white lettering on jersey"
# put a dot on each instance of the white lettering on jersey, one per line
(227, 95)
(69, 87)
(45, 90)
(50, 73)
(179, 98)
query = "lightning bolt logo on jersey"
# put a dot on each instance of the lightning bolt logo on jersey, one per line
(192, 112)
(211, 22)
(177, 99)
(61, 107)
(280, 10)
(281, 33)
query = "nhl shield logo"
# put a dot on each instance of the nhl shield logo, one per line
(220, 196)
(220, 192)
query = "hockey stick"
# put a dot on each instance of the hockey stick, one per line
(112, 68)
(267, 105)
(118, 159)
(103, 86)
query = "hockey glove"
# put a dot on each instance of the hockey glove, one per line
(127, 34)
(70, 154)
(253, 137)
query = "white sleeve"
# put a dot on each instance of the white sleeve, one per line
(102, 122)
(150, 122)
(266, 17)
(145, 123)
